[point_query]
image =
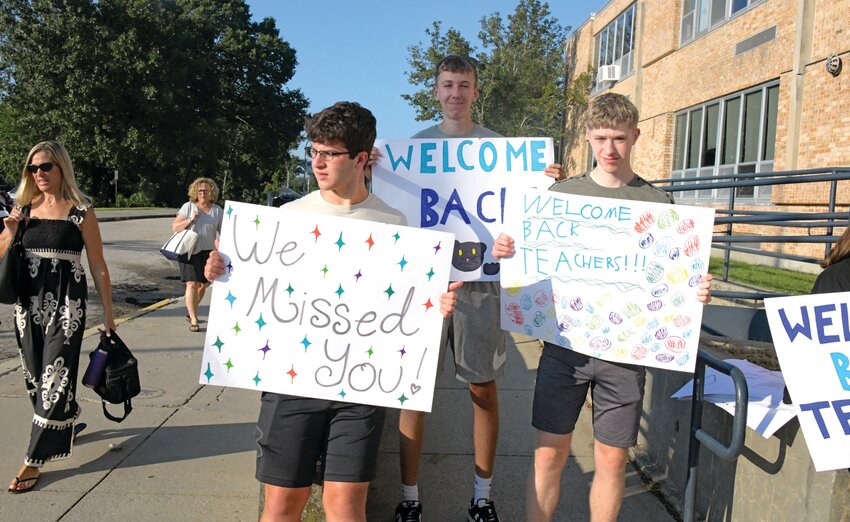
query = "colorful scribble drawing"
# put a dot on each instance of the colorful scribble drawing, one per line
(621, 291)
(350, 307)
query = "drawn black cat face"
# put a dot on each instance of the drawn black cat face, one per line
(468, 255)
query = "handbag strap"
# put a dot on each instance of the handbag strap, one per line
(22, 226)
(128, 407)
(195, 207)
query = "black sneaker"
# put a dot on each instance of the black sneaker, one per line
(408, 511)
(482, 511)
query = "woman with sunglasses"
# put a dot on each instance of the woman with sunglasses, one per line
(50, 315)
(204, 216)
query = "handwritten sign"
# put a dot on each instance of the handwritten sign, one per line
(461, 186)
(609, 278)
(327, 307)
(811, 334)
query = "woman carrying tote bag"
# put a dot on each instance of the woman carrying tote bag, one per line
(207, 216)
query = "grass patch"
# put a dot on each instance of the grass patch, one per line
(767, 278)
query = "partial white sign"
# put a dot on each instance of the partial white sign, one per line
(461, 186)
(811, 334)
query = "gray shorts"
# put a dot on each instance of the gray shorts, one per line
(563, 378)
(293, 433)
(474, 334)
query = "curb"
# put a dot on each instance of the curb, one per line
(14, 363)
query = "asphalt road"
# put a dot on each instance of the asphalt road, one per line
(140, 275)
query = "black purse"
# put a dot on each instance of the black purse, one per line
(120, 382)
(12, 269)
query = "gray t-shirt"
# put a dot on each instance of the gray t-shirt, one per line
(207, 224)
(434, 132)
(637, 190)
(372, 208)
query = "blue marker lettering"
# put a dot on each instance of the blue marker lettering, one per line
(425, 151)
(401, 159)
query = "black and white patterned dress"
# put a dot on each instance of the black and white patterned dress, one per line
(50, 318)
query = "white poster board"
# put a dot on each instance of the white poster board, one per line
(609, 278)
(327, 307)
(811, 334)
(766, 412)
(461, 186)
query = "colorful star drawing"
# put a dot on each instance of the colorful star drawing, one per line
(229, 210)
(339, 242)
(437, 247)
(316, 233)
(397, 236)
(358, 275)
(402, 351)
(370, 352)
(402, 399)
(257, 379)
(209, 374)
(257, 221)
(306, 343)
(430, 273)
(428, 304)
(218, 344)
(370, 242)
(325, 270)
(342, 394)
(389, 291)
(230, 297)
(229, 365)
(402, 263)
(229, 267)
(339, 291)
(260, 322)
(292, 373)
(290, 289)
(236, 328)
(265, 349)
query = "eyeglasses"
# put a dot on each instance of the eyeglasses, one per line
(44, 167)
(326, 155)
(204, 191)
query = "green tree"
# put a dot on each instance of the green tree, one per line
(522, 71)
(161, 90)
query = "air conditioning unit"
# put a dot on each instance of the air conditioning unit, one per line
(609, 73)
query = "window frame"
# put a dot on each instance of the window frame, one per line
(762, 163)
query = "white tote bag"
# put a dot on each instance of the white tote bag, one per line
(181, 242)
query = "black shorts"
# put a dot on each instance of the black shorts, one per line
(192, 269)
(294, 432)
(563, 378)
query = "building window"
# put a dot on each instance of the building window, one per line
(613, 50)
(733, 135)
(701, 16)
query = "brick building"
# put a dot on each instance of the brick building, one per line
(725, 86)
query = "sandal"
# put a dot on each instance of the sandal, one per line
(80, 426)
(27, 483)
(194, 327)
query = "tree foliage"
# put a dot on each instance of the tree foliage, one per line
(521, 75)
(163, 91)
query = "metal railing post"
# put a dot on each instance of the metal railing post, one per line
(699, 437)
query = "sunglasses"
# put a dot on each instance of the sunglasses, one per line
(44, 167)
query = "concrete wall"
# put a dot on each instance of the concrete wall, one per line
(773, 479)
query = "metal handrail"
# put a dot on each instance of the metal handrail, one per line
(699, 437)
(730, 216)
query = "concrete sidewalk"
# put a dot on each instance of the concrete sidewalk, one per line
(186, 452)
